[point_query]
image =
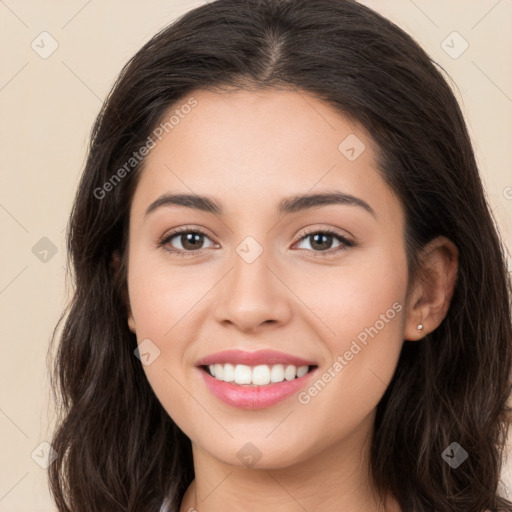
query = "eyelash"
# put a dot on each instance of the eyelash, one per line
(304, 234)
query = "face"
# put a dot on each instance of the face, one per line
(260, 273)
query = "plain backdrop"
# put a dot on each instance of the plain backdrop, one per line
(59, 60)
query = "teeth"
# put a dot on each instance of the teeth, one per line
(229, 373)
(290, 372)
(242, 374)
(302, 370)
(260, 375)
(219, 371)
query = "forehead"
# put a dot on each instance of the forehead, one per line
(253, 147)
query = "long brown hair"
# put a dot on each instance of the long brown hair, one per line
(118, 450)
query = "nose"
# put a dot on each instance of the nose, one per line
(253, 296)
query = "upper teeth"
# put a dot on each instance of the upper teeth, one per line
(258, 375)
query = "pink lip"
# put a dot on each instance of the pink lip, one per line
(254, 397)
(253, 358)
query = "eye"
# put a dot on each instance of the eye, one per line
(322, 241)
(190, 240)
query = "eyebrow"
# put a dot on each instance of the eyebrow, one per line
(287, 205)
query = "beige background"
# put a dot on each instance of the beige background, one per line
(47, 107)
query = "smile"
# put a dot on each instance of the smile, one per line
(261, 375)
(255, 380)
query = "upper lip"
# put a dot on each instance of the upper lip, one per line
(253, 358)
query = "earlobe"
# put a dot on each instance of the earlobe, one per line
(431, 299)
(131, 322)
(116, 266)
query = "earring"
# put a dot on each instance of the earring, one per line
(420, 327)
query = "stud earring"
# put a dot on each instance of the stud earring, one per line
(420, 327)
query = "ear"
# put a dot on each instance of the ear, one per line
(430, 299)
(116, 266)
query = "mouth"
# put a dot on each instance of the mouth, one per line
(253, 389)
(255, 380)
(256, 376)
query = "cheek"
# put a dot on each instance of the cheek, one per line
(362, 313)
(162, 300)
(355, 295)
(161, 295)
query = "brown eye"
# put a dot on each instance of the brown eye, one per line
(185, 241)
(321, 241)
(190, 241)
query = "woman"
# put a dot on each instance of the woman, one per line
(216, 354)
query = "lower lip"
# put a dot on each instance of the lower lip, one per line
(254, 397)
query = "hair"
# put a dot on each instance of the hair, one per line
(118, 449)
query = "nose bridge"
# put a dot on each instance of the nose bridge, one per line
(252, 293)
(252, 280)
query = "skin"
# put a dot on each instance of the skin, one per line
(249, 150)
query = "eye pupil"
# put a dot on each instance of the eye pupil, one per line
(192, 239)
(319, 245)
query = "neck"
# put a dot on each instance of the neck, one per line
(331, 480)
